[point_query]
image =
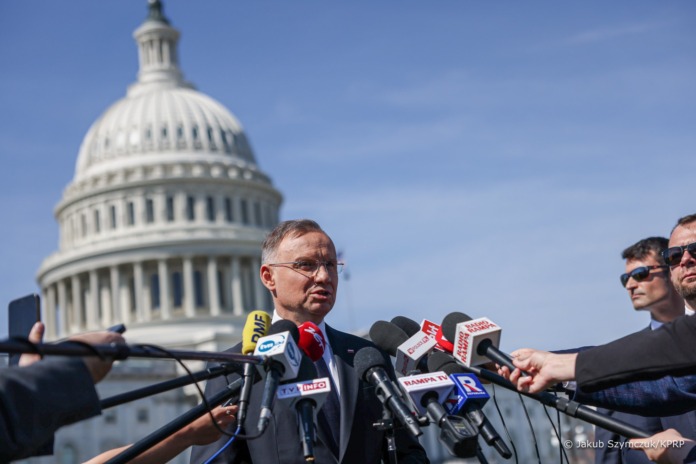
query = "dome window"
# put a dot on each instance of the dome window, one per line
(177, 289)
(113, 216)
(228, 210)
(245, 211)
(210, 208)
(191, 208)
(97, 222)
(155, 290)
(170, 208)
(131, 213)
(149, 211)
(211, 138)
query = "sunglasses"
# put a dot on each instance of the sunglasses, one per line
(673, 255)
(639, 273)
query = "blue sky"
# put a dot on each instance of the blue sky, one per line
(492, 158)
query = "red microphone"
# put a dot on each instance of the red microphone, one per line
(311, 341)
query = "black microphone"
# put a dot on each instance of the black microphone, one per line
(307, 394)
(410, 352)
(370, 366)
(284, 361)
(427, 392)
(446, 363)
(470, 396)
(409, 326)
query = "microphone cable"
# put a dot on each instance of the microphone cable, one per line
(228, 443)
(502, 420)
(195, 383)
(531, 428)
(558, 431)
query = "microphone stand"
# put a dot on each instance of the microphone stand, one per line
(121, 351)
(387, 425)
(564, 405)
(150, 390)
(175, 425)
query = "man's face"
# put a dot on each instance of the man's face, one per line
(684, 273)
(302, 296)
(653, 289)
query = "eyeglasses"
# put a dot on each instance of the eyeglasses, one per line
(673, 255)
(310, 267)
(639, 273)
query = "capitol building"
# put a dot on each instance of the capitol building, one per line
(161, 230)
(161, 226)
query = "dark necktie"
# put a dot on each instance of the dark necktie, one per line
(329, 416)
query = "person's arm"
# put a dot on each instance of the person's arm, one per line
(36, 400)
(667, 396)
(667, 447)
(43, 396)
(640, 356)
(202, 431)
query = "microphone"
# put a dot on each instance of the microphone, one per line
(312, 341)
(410, 352)
(470, 397)
(256, 326)
(370, 366)
(475, 340)
(307, 394)
(427, 392)
(283, 358)
(409, 326)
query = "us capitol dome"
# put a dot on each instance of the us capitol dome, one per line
(162, 225)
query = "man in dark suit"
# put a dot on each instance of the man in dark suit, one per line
(300, 269)
(648, 284)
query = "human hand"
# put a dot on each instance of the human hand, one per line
(98, 368)
(202, 431)
(543, 368)
(35, 336)
(666, 447)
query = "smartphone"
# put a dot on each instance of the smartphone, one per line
(23, 314)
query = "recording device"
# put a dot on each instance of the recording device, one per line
(280, 347)
(370, 366)
(410, 352)
(467, 399)
(312, 341)
(306, 394)
(22, 314)
(475, 340)
(256, 326)
(427, 392)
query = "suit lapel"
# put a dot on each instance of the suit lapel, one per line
(349, 383)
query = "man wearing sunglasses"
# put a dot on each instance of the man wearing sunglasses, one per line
(647, 281)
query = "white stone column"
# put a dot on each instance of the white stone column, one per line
(114, 285)
(259, 289)
(76, 323)
(189, 297)
(213, 289)
(236, 276)
(92, 309)
(139, 300)
(63, 304)
(125, 299)
(163, 276)
(49, 310)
